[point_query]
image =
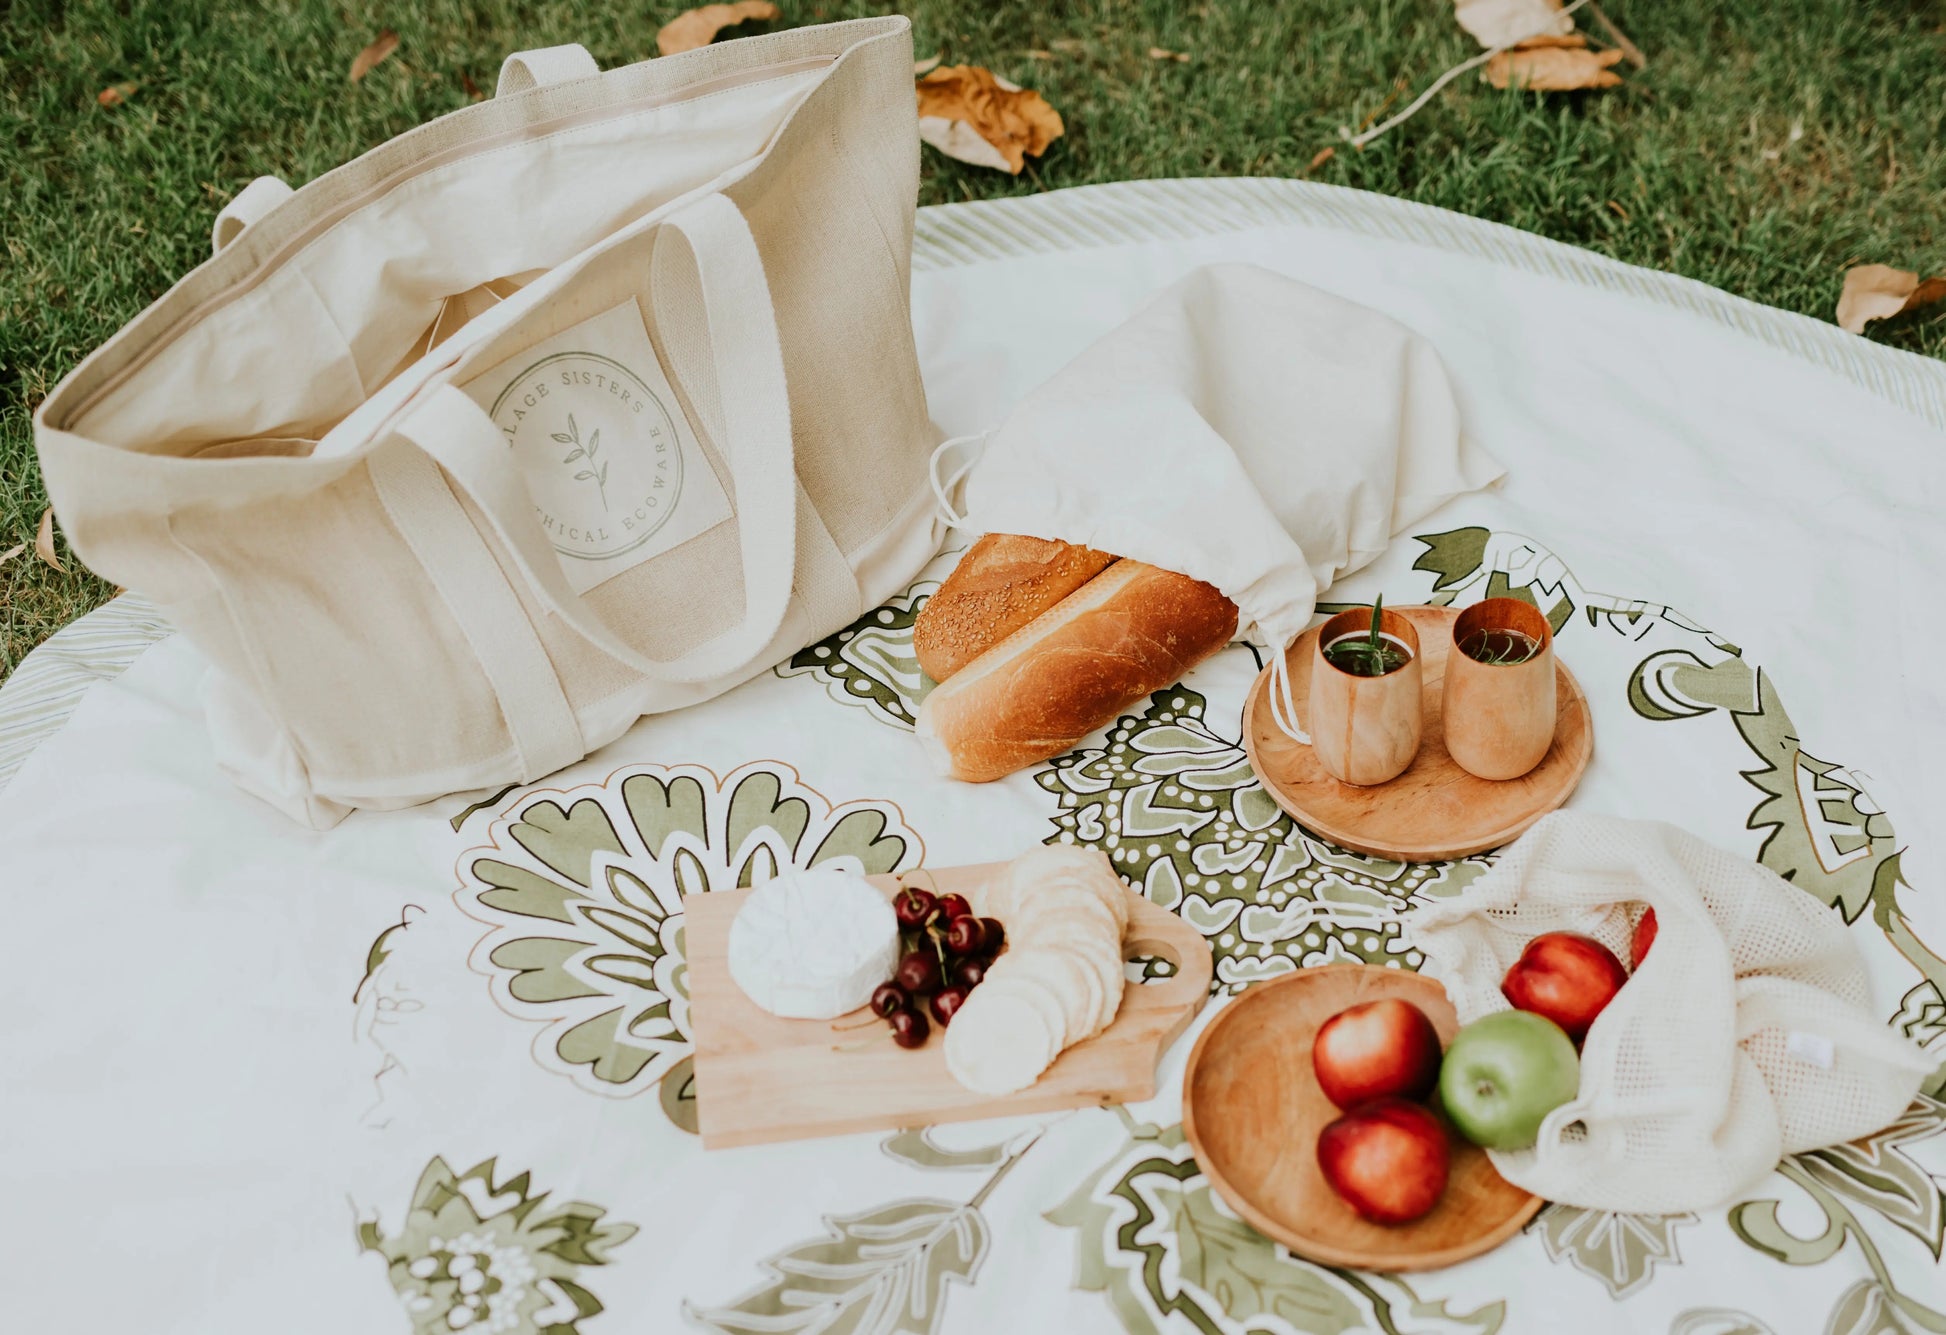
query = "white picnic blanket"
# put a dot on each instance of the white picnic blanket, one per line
(429, 1071)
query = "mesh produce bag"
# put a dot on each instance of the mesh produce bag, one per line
(1744, 1036)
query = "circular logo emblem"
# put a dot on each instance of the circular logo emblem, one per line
(597, 449)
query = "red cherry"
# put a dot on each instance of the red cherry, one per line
(914, 908)
(918, 972)
(965, 935)
(1640, 941)
(909, 1029)
(969, 974)
(953, 906)
(996, 935)
(887, 1000)
(946, 1004)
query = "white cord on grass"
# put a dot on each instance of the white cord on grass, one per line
(1360, 140)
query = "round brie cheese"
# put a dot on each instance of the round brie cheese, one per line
(812, 945)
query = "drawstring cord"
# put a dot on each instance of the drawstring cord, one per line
(1283, 708)
(943, 490)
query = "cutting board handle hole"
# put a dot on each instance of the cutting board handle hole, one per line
(1143, 950)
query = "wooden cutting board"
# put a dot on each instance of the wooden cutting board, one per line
(1435, 810)
(760, 1078)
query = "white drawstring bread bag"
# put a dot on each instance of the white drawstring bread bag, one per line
(1244, 429)
(1743, 1036)
(461, 458)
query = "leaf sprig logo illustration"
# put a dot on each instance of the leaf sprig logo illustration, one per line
(592, 471)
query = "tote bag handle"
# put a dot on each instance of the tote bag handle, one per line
(543, 66)
(251, 203)
(742, 323)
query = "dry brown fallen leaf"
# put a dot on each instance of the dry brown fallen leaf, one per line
(1500, 22)
(1322, 156)
(1568, 41)
(698, 27)
(971, 114)
(117, 93)
(928, 65)
(1630, 51)
(382, 46)
(1878, 291)
(1164, 53)
(12, 552)
(1553, 65)
(44, 540)
(470, 88)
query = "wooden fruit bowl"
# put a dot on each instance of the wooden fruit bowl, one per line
(1252, 1110)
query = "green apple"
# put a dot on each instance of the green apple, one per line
(1503, 1074)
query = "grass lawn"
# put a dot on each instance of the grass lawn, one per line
(1769, 143)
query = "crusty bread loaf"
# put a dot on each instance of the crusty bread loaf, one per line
(1003, 582)
(1128, 631)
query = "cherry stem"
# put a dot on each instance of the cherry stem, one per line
(861, 1043)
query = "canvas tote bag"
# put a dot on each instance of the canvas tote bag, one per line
(588, 402)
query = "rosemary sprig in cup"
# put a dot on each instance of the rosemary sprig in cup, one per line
(1370, 656)
(1500, 648)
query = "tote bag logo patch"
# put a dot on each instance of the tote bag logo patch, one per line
(597, 502)
(609, 460)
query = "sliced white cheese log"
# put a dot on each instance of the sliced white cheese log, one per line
(1061, 979)
(1047, 872)
(1107, 965)
(1101, 958)
(1018, 972)
(1089, 869)
(1065, 906)
(1072, 982)
(812, 945)
(995, 899)
(1001, 1039)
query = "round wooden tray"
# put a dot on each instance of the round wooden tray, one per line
(1435, 810)
(1252, 1110)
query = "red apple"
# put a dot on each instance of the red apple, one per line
(1566, 977)
(1640, 941)
(1388, 1160)
(1376, 1050)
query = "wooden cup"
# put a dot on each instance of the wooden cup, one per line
(1365, 729)
(1499, 717)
